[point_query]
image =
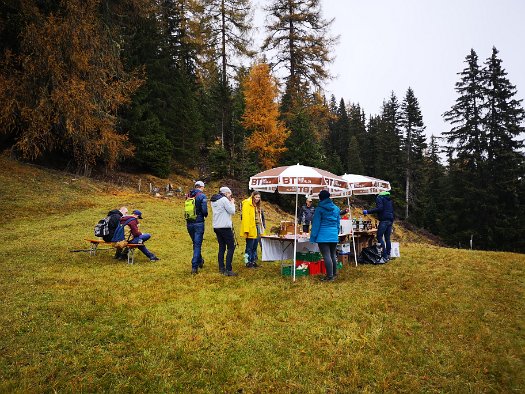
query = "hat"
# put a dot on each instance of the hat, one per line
(138, 213)
(324, 194)
(224, 190)
(384, 193)
(199, 184)
(308, 198)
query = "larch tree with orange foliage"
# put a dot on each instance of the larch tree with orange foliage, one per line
(61, 88)
(261, 116)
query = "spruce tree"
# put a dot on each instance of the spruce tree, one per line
(355, 165)
(503, 123)
(389, 160)
(467, 144)
(341, 134)
(413, 145)
(299, 38)
(360, 148)
(431, 211)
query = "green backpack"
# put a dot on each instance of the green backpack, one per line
(190, 209)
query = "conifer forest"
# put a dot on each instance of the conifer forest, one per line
(150, 85)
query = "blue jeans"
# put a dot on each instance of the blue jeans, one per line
(328, 250)
(196, 231)
(251, 247)
(383, 231)
(143, 249)
(225, 239)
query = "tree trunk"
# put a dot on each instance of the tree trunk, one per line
(223, 49)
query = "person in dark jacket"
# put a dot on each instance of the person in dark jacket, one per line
(114, 219)
(196, 227)
(385, 213)
(223, 207)
(306, 214)
(134, 235)
(325, 231)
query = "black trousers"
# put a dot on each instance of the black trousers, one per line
(225, 240)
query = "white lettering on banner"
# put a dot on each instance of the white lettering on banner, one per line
(294, 189)
(289, 180)
(334, 183)
(262, 181)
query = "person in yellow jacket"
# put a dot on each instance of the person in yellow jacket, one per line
(252, 226)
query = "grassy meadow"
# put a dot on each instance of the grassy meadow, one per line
(434, 320)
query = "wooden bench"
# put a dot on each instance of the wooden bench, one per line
(94, 243)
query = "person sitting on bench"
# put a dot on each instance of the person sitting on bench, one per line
(135, 236)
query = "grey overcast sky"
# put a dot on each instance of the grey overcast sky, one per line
(389, 45)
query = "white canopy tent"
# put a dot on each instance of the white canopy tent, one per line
(360, 185)
(298, 179)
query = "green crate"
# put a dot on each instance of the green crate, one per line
(314, 256)
(301, 256)
(286, 270)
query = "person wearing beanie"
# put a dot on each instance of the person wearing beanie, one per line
(306, 213)
(223, 208)
(195, 226)
(134, 235)
(325, 232)
(385, 213)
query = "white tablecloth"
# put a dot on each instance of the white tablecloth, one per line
(282, 248)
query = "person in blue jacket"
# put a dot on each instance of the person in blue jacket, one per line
(196, 227)
(385, 213)
(325, 232)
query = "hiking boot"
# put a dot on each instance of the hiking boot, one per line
(255, 265)
(222, 270)
(230, 273)
(249, 265)
(327, 278)
(201, 264)
(194, 271)
(154, 258)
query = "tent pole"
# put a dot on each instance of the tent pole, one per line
(353, 239)
(295, 231)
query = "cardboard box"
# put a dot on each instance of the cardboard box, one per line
(342, 258)
(288, 228)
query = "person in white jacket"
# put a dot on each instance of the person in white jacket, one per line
(223, 207)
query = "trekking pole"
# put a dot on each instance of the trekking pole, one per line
(235, 236)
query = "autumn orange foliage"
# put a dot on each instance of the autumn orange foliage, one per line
(61, 92)
(261, 116)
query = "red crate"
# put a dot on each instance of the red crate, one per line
(315, 267)
(322, 267)
(299, 262)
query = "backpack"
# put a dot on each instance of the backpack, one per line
(119, 233)
(102, 227)
(370, 255)
(190, 208)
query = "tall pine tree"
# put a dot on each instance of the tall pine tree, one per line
(503, 123)
(413, 145)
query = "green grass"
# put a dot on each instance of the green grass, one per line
(434, 320)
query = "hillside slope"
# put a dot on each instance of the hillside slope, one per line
(434, 320)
